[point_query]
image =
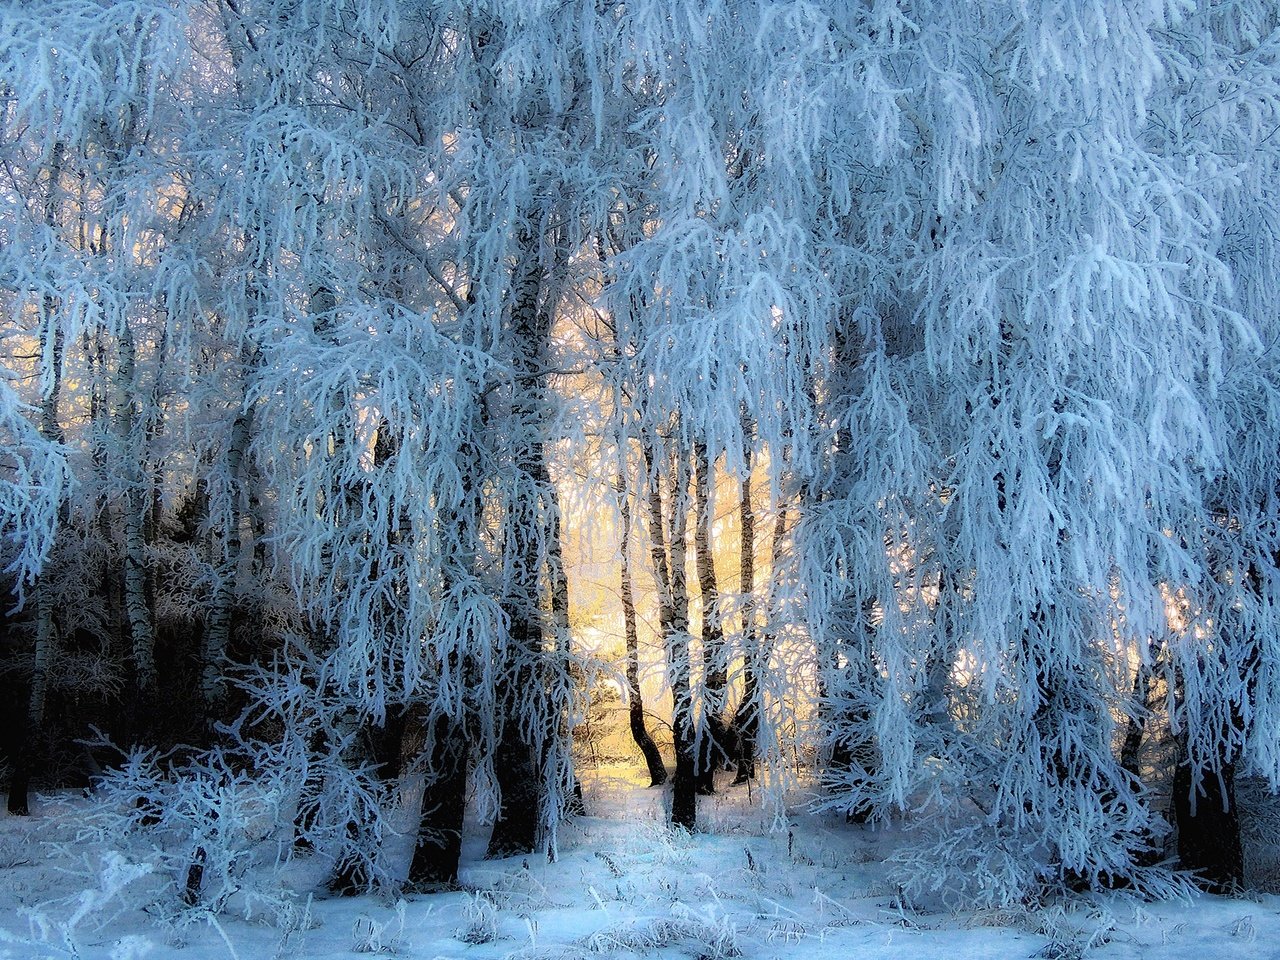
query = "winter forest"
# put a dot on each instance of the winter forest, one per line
(857, 413)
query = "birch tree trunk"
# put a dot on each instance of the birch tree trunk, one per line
(516, 762)
(558, 751)
(227, 548)
(635, 699)
(46, 633)
(746, 718)
(714, 749)
(667, 549)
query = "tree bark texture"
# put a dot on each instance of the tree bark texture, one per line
(746, 718)
(46, 633)
(516, 764)
(668, 553)
(444, 758)
(714, 748)
(635, 700)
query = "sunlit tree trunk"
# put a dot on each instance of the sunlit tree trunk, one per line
(1140, 704)
(558, 751)
(635, 699)
(714, 748)
(667, 549)
(746, 718)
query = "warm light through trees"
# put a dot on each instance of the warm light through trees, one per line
(919, 355)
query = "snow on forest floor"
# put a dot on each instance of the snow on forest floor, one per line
(624, 887)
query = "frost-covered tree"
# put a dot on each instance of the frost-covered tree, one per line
(365, 405)
(974, 302)
(430, 263)
(1030, 434)
(719, 288)
(89, 267)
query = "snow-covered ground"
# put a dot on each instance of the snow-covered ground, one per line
(624, 886)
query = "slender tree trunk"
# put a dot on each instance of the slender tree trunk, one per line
(635, 700)
(684, 804)
(746, 719)
(941, 656)
(673, 618)
(111, 576)
(1135, 730)
(228, 548)
(714, 747)
(135, 504)
(152, 428)
(33, 732)
(46, 634)
(306, 814)
(861, 755)
(560, 744)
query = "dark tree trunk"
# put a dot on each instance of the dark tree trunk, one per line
(516, 762)
(574, 805)
(714, 749)
(51, 344)
(382, 747)
(746, 724)
(31, 738)
(862, 754)
(516, 768)
(1205, 814)
(941, 657)
(20, 780)
(225, 557)
(746, 719)
(635, 710)
(304, 820)
(673, 618)
(195, 877)
(1208, 828)
(439, 848)
(351, 876)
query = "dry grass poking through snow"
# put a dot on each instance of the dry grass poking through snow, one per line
(625, 886)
